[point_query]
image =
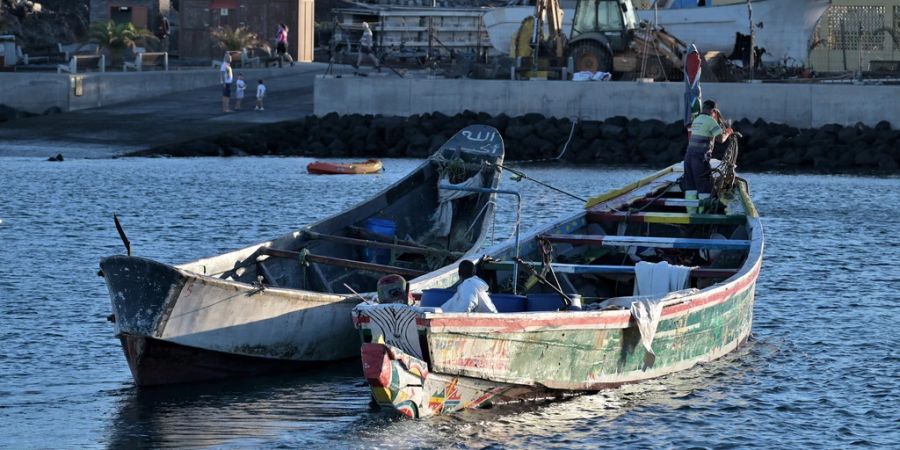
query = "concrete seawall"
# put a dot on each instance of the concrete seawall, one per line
(798, 105)
(37, 92)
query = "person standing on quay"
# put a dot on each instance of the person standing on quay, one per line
(260, 95)
(705, 130)
(239, 87)
(227, 77)
(365, 47)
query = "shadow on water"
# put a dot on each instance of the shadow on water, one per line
(604, 419)
(237, 411)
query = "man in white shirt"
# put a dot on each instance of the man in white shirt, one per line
(227, 77)
(471, 293)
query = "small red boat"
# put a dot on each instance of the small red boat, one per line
(334, 168)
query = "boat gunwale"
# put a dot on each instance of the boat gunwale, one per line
(689, 302)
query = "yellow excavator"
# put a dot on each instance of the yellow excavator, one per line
(605, 37)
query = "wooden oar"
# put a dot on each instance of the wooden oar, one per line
(419, 250)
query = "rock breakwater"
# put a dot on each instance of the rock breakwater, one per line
(615, 141)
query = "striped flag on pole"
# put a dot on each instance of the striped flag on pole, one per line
(692, 95)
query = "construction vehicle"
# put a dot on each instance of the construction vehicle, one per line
(605, 37)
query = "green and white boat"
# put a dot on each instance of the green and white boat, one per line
(421, 362)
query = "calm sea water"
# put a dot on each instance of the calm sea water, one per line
(821, 371)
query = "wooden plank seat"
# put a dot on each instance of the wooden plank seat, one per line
(82, 63)
(644, 241)
(143, 60)
(607, 269)
(340, 262)
(667, 217)
(671, 202)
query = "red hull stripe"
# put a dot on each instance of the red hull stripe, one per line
(617, 319)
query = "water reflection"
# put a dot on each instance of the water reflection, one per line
(823, 365)
(238, 412)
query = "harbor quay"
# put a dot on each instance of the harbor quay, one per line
(784, 126)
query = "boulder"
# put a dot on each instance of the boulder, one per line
(847, 135)
(613, 131)
(532, 118)
(887, 163)
(337, 147)
(675, 130)
(519, 132)
(884, 125)
(831, 128)
(619, 121)
(590, 129)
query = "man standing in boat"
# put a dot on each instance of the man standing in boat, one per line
(471, 293)
(705, 131)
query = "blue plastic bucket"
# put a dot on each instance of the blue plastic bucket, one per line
(434, 298)
(384, 227)
(509, 302)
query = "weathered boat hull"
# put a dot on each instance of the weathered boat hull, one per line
(286, 303)
(165, 304)
(155, 362)
(420, 362)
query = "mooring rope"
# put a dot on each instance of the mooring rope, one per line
(519, 175)
(561, 153)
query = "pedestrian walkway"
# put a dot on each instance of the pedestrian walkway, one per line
(137, 125)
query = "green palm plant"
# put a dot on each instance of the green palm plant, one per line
(236, 39)
(115, 38)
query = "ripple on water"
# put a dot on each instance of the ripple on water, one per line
(821, 369)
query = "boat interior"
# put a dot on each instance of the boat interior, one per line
(395, 232)
(603, 253)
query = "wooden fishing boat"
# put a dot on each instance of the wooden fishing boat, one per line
(420, 361)
(334, 168)
(285, 303)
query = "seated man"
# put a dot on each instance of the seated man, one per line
(471, 293)
(393, 289)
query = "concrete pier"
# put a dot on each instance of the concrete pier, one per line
(798, 105)
(155, 117)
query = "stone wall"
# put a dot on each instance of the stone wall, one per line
(797, 105)
(615, 141)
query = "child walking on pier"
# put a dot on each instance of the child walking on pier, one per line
(239, 87)
(260, 95)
